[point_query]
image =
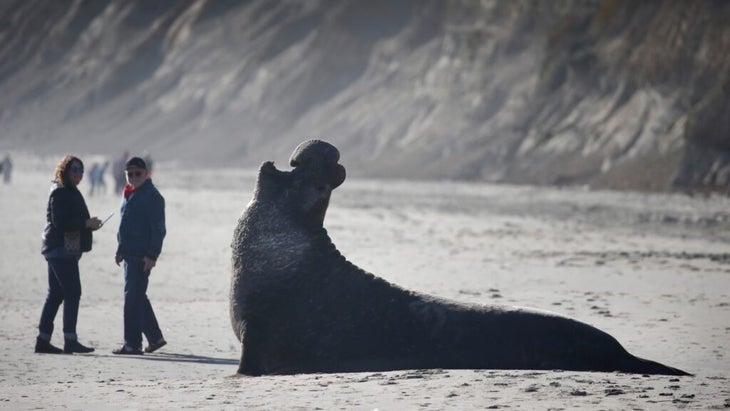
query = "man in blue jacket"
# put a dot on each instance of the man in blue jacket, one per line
(141, 231)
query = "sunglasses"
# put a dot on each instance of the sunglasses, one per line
(135, 173)
(77, 170)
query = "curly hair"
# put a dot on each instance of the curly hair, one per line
(62, 170)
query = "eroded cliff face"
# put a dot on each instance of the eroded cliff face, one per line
(616, 94)
(645, 84)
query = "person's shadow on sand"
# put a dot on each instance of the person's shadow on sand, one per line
(172, 357)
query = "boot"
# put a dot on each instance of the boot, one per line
(45, 347)
(152, 347)
(127, 350)
(72, 346)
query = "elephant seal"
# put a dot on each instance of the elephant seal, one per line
(298, 306)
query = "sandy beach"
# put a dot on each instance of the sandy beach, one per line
(653, 270)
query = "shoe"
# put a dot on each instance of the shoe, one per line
(45, 347)
(126, 350)
(72, 346)
(152, 347)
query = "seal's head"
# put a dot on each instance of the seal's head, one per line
(304, 191)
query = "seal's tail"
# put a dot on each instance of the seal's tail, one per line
(641, 366)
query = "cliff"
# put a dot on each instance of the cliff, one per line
(611, 94)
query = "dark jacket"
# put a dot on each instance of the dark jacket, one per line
(66, 212)
(142, 225)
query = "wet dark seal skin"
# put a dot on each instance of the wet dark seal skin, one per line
(298, 306)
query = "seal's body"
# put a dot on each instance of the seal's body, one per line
(298, 306)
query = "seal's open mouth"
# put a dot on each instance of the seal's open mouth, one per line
(318, 160)
(315, 161)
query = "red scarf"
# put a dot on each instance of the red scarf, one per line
(129, 190)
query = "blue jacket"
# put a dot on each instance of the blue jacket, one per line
(142, 225)
(66, 212)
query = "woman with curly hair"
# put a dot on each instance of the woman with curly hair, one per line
(66, 236)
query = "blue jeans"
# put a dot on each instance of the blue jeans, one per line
(64, 286)
(138, 314)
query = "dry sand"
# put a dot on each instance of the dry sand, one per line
(652, 270)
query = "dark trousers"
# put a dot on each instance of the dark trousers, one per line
(138, 314)
(64, 286)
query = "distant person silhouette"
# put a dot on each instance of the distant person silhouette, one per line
(7, 169)
(92, 178)
(98, 185)
(120, 178)
(101, 182)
